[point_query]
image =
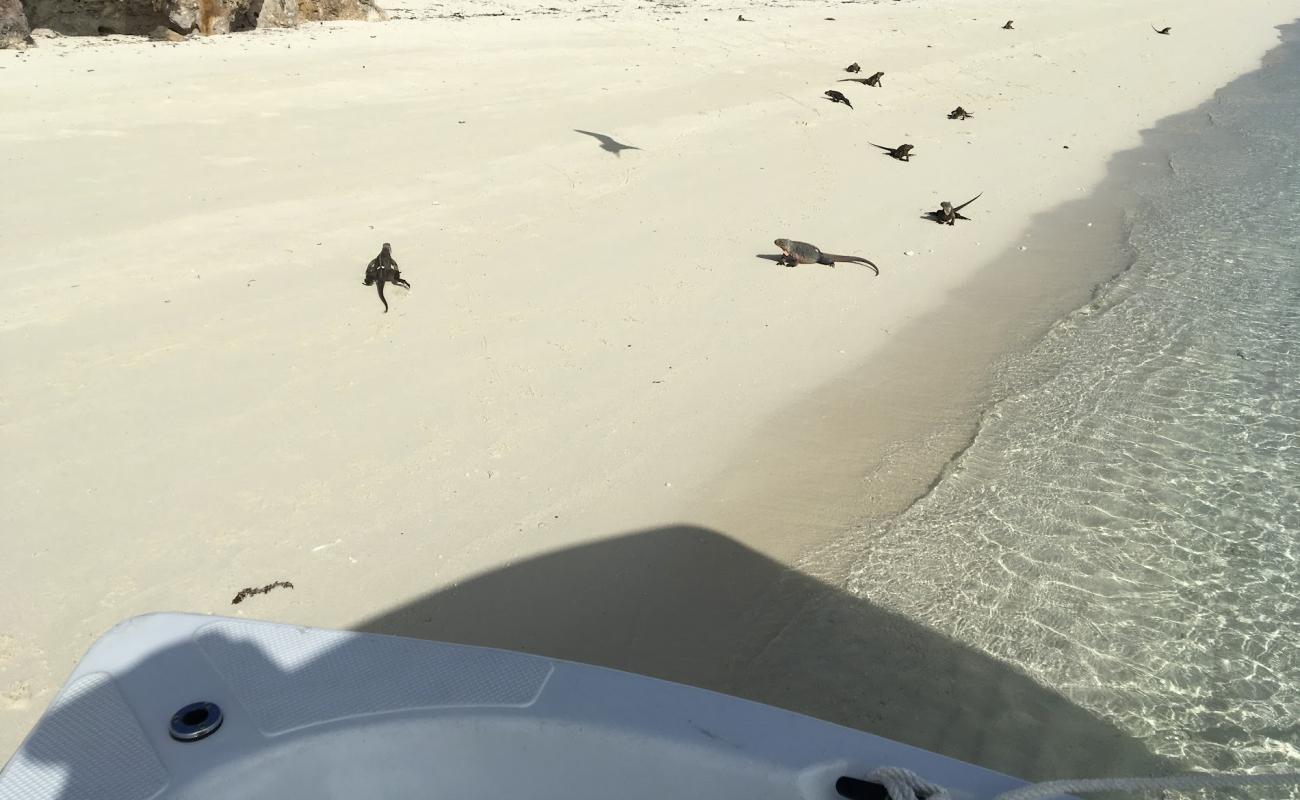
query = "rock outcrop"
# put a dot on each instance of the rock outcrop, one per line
(14, 31)
(278, 14)
(325, 10)
(288, 13)
(213, 16)
(98, 18)
(144, 17)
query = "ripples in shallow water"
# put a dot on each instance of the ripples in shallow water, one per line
(1125, 527)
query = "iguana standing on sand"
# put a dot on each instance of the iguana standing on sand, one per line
(837, 97)
(853, 67)
(959, 113)
(795, 253)
(1008, 27)
(903, 152)
(948, 214)
(874, 80)
(383, 269)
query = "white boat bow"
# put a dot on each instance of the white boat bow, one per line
(189, 706)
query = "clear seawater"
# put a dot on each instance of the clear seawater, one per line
(1125, 526)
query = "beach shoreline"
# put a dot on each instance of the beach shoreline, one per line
(204, 388)
(864, 446)
(1104, 528)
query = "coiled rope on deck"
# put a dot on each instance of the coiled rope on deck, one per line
(904, 784)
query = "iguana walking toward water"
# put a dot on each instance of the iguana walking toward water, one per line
(959, 113)
(948, 215)
(837, 97)
(903, 152)
(874, 80)
(795, 253)
(383, 269)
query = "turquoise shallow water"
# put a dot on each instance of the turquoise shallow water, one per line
(1125, 525)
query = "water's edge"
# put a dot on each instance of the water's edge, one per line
(1121, 522)
(1086, 252)
(823, 483)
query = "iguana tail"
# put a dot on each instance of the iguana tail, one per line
(380, 286)
(831, 258)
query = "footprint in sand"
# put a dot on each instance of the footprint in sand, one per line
(17, 696)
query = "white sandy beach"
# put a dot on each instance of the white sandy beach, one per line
(197, 394)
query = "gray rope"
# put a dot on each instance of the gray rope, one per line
(904, 784)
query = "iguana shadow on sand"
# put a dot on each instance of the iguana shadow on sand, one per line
(607, 144)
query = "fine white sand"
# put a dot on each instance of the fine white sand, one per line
(199, 395)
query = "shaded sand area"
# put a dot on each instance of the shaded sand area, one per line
(560, 439)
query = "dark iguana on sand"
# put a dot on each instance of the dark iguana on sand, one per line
(383, 269)
(948, 215)
(874, 80)
(1165, 30)
(903, 152)
(1008, 27)
(836, 97)
(959, 113)
(795, 253)
(853, 67)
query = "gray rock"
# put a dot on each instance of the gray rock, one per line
(96, 17)
(278, 14)
(206, 17)
(325, 10)
(14, 32)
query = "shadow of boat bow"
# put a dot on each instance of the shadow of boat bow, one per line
(691, 605)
